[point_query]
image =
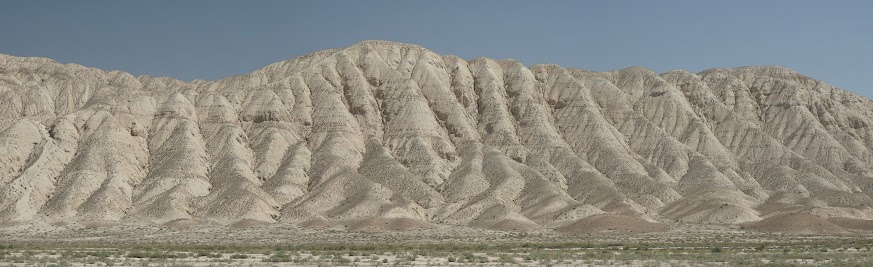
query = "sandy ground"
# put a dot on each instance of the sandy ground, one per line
(290, 245)
(267, 235)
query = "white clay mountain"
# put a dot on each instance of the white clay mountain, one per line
(394, 134)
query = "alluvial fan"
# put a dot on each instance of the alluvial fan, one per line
(390, 136)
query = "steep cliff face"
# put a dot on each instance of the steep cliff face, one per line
(394, 134)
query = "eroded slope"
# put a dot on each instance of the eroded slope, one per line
(382, 135)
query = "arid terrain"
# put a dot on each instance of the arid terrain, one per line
(383, 140)
(289, 245)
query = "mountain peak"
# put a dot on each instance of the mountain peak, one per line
(384, 43)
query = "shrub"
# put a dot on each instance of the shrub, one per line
(278, 257)
(343, 260)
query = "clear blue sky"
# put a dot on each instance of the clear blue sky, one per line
(828, 40)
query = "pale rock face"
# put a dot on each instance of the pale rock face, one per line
(381, 131)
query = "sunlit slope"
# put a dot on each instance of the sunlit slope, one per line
(392, 135)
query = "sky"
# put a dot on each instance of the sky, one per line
(828, 40)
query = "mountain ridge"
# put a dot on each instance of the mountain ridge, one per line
(383, 132)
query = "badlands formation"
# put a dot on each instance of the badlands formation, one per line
(394, 136)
